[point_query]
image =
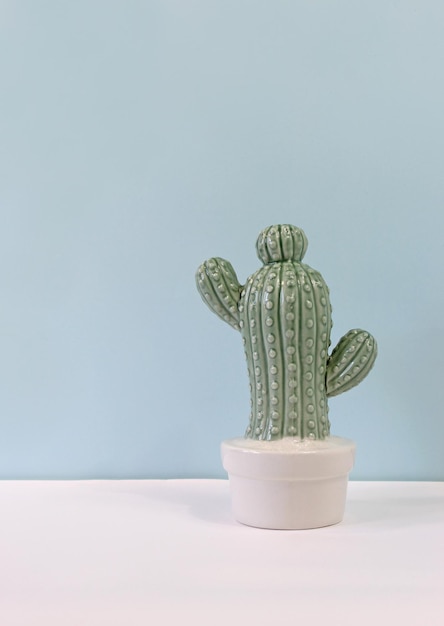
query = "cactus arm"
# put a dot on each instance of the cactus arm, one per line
(350, 361)
(219, 287)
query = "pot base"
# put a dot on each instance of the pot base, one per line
(288, 484)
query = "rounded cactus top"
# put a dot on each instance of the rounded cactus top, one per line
(282, 242)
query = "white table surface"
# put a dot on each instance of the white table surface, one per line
(153, 552)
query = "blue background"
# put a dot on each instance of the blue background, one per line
(138, 139)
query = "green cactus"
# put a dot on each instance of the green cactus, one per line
(284, 315)
(219, 287)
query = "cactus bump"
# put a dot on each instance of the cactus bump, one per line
(283, 313)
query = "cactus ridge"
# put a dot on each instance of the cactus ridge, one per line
(350, 361)
(219, 287)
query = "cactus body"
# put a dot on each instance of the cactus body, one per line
(284, 315)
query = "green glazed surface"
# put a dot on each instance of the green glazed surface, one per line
(283, 313)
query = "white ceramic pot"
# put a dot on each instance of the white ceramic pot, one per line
(288, 484)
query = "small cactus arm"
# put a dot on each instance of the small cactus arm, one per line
(350, 361)
(218, 285)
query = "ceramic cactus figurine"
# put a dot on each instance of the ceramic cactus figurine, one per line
(283, 313)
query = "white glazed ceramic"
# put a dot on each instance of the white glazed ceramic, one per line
(290, 483)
